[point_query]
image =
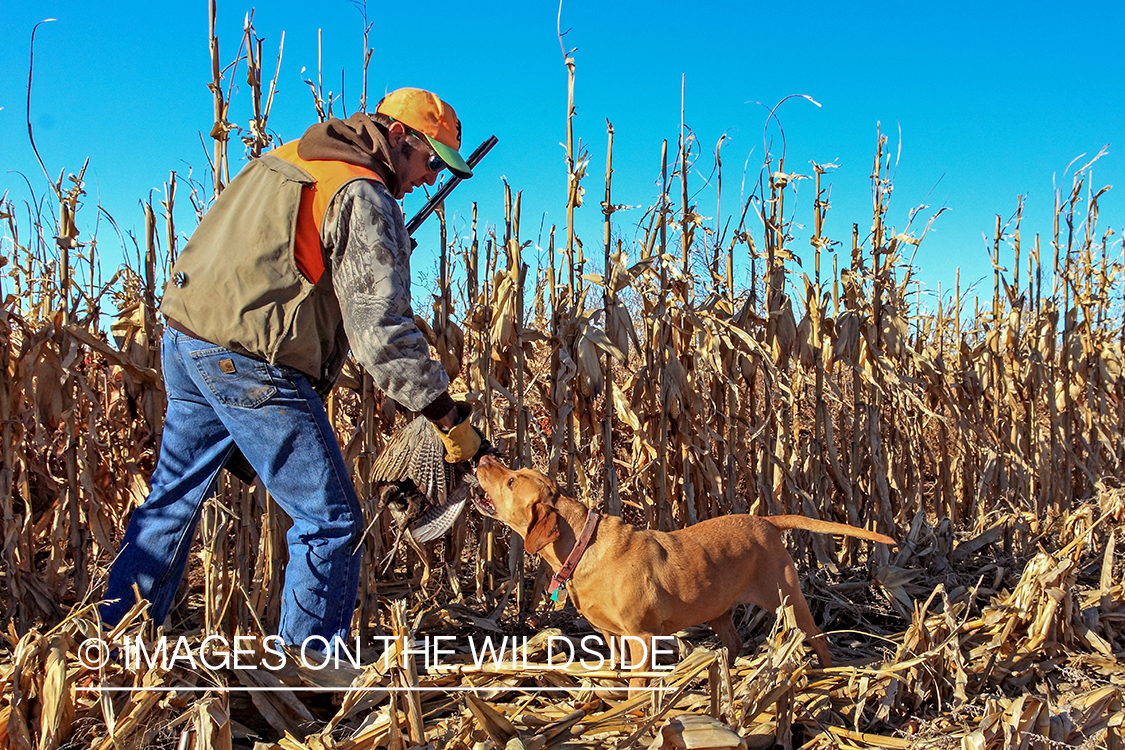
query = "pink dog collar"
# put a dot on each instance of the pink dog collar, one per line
(558, 580)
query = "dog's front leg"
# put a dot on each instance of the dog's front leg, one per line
(640, 649)
(723, 625)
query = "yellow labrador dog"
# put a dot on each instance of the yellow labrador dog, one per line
(635, 582)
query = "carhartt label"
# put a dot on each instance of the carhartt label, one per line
(227, 366)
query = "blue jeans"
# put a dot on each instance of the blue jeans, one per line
(218, 399)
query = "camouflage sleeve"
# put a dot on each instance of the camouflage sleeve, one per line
(370, 254)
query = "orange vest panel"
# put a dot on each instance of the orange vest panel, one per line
(330, 176)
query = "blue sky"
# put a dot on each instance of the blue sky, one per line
(993, 101)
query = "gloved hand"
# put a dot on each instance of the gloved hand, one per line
(462, 441)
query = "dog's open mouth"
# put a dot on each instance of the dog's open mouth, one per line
(484, 504)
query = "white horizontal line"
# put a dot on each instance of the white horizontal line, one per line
(458, 689)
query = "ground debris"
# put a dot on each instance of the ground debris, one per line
(1034, 664)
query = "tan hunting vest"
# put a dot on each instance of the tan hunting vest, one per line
(253, 277)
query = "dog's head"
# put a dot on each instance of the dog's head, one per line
(523, 500)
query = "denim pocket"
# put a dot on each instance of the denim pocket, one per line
(236, 380)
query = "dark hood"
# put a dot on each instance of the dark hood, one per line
(357, 140)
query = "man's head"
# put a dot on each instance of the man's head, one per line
(424, 135)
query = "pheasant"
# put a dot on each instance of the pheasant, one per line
(423, 492)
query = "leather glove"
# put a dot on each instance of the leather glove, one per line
(462, 441)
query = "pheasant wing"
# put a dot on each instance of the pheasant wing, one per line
(415, 452)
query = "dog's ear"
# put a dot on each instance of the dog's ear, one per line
(544, 528)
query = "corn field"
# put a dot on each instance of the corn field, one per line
(987, 436)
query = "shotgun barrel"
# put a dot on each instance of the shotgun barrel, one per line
(444, 191)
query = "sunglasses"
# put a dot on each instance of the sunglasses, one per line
(436, 163)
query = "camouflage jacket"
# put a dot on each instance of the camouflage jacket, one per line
(236, 284)
(363, 232)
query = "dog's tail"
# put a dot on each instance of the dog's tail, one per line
(826, 527)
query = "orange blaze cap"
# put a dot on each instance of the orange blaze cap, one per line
(425, 112)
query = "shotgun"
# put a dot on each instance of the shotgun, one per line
(237, 463)
(437, 198)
